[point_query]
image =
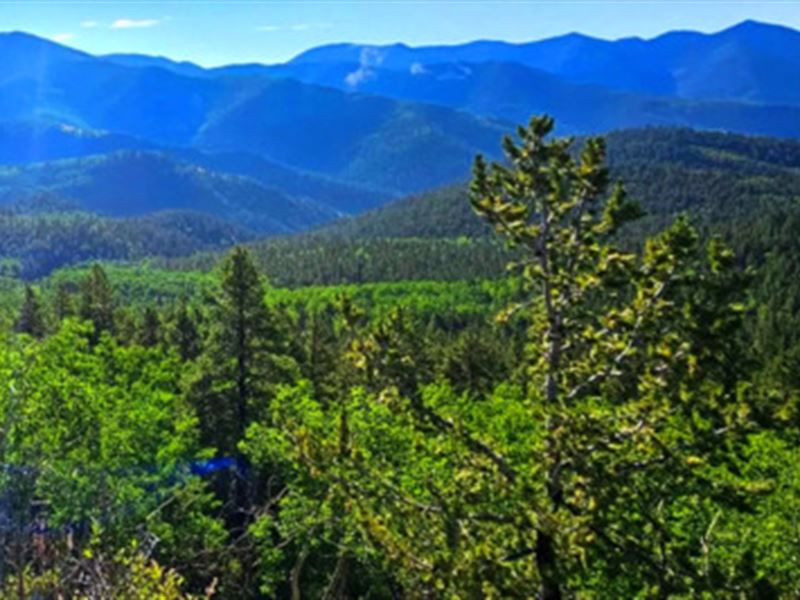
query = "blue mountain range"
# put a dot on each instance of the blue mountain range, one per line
(346, 127)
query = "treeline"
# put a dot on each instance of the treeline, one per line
(319, 259)
(41, 241)
(606, 423)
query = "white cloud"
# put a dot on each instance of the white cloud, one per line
(370, 57)
(89, 24)
(134, 23)
(268, 28)
(62, 37)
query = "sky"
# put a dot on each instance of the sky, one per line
(234, 31)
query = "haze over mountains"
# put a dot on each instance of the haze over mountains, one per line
(345, 128)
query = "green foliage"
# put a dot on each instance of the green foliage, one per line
(101, 438)
(618, 418)
(319, 259)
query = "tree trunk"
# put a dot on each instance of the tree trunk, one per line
(547, 567)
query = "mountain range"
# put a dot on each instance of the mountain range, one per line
(750, 62)
(346, 128)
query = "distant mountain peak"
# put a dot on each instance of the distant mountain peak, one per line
(750, 24)
(20, 49)
(29, 39)
(753, 27)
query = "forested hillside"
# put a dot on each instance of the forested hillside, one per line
(127, 183)
(717, 177)
(32, 243)
(42, 141)
(726, 183)
(615, 417)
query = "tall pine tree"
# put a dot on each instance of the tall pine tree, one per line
(97, 301)
(63, 305)
(149, 333)
(183, 333)
(245, 356)
(31, 317)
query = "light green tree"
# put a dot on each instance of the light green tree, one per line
(97, 444)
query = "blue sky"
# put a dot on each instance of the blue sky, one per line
(216, 32)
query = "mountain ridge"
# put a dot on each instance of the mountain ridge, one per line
(331, 138)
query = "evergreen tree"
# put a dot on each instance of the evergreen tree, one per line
(320, 351)
(622, 349)
(97, 301)
(31, 317)
(244, 357)
(126, 325)
(184, 334)
(63, 305)
(149, 333)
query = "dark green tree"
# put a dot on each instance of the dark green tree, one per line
(97, 301)
(183, 333)
(31, 317)
(64, 303)
(231, 386)
(149, 333)
(245, 356)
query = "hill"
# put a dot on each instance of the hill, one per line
(28, 141)
(727, 183)
(356, 138)
(133, 183)
(717, 177)
(45, 234)
(24, 142)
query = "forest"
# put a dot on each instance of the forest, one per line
(552, 391)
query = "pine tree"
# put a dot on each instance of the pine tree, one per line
(31, 317)
(149, 333)
(63, 305)
(244, 357)
(97, 301)
(184, 334)
(622, 348)
(320, 351)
